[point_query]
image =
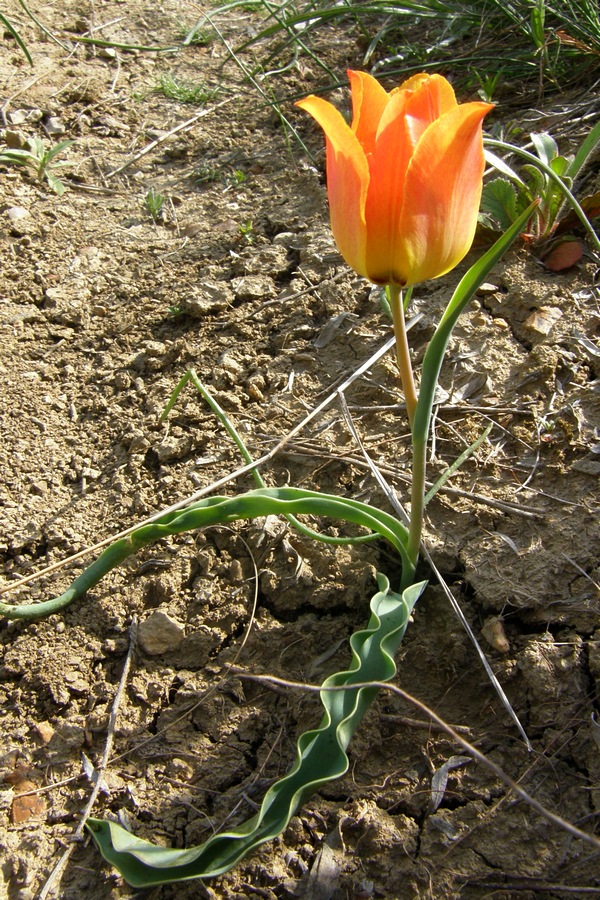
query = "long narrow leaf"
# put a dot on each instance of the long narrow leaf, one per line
(217, 511)
(42, 27)
(585, 152)
(464, 292)
(320, 757)
(55, 150)
(17, 37)
(498, 163)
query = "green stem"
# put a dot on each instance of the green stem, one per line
(417, 503)
(430, 370)
(419, 440)
(394, 293)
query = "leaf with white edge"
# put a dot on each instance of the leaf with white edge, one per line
(501, 166)
(586, 151)
(439, 781)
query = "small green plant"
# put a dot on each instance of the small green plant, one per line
(183, 91)
(196, 36)
(155, 204)
(247, 231)
(547, 176)
(35, 156)
(487, 84)
(205, 173)
(208, 173)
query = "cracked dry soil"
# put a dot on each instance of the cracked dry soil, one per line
(102, 312)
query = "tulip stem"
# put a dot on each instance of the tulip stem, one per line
(394, 293)
(419, 441)
(417, 501)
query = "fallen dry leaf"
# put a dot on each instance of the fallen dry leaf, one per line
(563, 255)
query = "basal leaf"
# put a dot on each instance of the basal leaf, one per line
(499, 201)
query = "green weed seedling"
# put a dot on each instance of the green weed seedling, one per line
(247, 231)
(548, 177)
(487, 84)
(205, 173)
(194, 37)
(155, 203)
(35, 156)
(183, 91)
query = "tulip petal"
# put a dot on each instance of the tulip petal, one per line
(388, 166)
(410, 110)
(432, 98)
(434, 84)
(442, 193)
(369, 101)
(347, 181)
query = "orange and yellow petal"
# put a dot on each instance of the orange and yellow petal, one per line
(347, 181)
(369, 101)
(405, 179)
(410, 111)
(442, 192)
(431, 98)
(388, 166)
(432, 83)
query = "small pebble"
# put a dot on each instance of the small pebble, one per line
(54, 126)
(159, 634)
(17, 213)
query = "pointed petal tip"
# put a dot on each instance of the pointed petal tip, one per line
(301, 103)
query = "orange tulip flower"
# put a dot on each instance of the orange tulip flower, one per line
(404, 179)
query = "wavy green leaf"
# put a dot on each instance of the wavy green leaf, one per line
(217, 511)
(321, 753)
(320, 757)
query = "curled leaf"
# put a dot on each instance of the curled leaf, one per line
(320, 757)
